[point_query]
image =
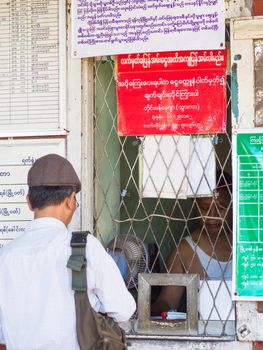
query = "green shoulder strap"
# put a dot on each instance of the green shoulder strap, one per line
(77, 260)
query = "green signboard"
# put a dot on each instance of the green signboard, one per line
(249, 215)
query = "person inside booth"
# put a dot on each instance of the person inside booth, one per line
(207, 251)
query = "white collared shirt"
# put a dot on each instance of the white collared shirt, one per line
(37, 310)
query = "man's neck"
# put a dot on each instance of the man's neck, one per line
(53, 211)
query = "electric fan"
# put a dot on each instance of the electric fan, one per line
(130, 255)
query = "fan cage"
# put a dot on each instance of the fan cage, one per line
(135, 254)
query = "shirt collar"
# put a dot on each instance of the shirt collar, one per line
(44, 222)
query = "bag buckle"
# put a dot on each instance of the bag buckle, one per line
(77, 262)
(79, 239)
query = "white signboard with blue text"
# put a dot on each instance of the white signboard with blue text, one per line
(122, 27)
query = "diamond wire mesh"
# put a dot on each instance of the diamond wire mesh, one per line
(161, 223)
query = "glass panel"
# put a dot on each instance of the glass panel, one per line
(258, 50)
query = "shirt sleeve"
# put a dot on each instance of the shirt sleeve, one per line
(2, 340)
(110, 288)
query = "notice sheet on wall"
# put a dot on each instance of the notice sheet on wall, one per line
(119, 26)
(30, 66)
(248, 209)
(179, 92)
(16, 157)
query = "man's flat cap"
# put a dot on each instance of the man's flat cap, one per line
(53, 170)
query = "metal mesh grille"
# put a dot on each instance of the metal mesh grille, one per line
(161, 224)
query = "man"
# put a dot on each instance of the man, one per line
(37, 310)
(207, 251)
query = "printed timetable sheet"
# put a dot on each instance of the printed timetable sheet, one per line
(29, 65)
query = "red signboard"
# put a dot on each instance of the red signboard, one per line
(172, 93)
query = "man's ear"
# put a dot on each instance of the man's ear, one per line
(71, 202)
(29, 203)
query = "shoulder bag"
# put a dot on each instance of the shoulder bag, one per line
(94, 330)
